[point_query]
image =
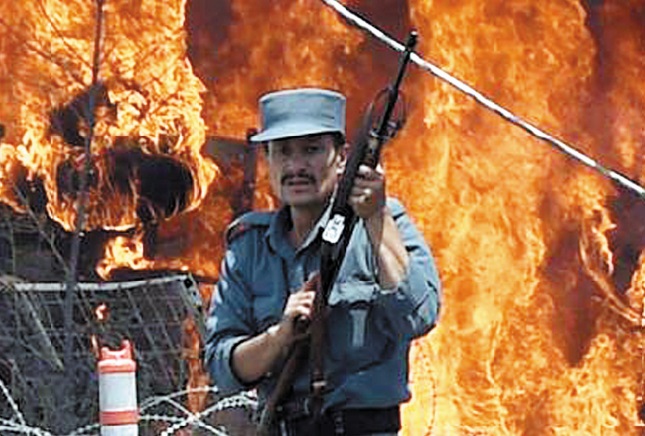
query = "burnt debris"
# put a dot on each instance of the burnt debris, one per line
(162, 184)
(72, 121)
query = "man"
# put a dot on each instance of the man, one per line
(386, 293)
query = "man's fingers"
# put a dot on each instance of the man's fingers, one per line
(369, 173)
(361, 194)
(304, 308)
(300, 303)
(305, 296)
(362, 190)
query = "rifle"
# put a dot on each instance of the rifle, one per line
(335, 238)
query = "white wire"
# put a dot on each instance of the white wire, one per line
(485, 101)
(12, 403)
(21, 428)
(243, 400)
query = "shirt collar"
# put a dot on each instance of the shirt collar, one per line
(278, 237)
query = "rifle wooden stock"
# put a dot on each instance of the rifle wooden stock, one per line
(297, 354)
(267, 418)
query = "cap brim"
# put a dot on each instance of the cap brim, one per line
(291, 130)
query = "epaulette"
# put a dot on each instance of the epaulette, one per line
(247, 222)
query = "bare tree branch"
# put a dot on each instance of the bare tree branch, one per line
(41, 231)
(72, 51)
(41, 52)
(71, 280)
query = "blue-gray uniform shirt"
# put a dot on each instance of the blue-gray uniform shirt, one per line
(369, 329)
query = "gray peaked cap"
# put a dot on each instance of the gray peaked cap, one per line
(300, 112)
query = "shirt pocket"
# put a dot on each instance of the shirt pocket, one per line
(357, 326)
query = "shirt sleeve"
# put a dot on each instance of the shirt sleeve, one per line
(413, 306)
(229, 322)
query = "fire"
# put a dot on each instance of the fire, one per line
(536, 335)
(318, 44)
(542, 259)
(146, 99)
(101, 312)
(130, 250)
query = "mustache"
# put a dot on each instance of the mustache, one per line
(299, 175)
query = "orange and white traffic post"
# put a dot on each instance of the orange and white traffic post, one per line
(118, 408)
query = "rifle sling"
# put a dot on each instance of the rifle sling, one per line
(316, 356)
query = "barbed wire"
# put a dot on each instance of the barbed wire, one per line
(12, 403)
(21, 429)
(485, 101)
(195, 418)
(244, 400)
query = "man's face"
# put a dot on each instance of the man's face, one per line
(304, 170)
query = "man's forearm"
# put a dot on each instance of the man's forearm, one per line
(391, 255)
(255, 357)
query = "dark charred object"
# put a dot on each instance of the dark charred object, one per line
(31, 192)
(163, 184)
(70, 121)
(68, 177)
(237, 160)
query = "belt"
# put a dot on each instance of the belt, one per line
(346, 422)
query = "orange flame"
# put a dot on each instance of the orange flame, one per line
(101, 312)
(149, 81)
(528, 341)
(316, 39)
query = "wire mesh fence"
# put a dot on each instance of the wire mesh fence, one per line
(157, 314)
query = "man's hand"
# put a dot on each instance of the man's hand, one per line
(368, 200)
(298, 311)
(255, 357)
(368, 192)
